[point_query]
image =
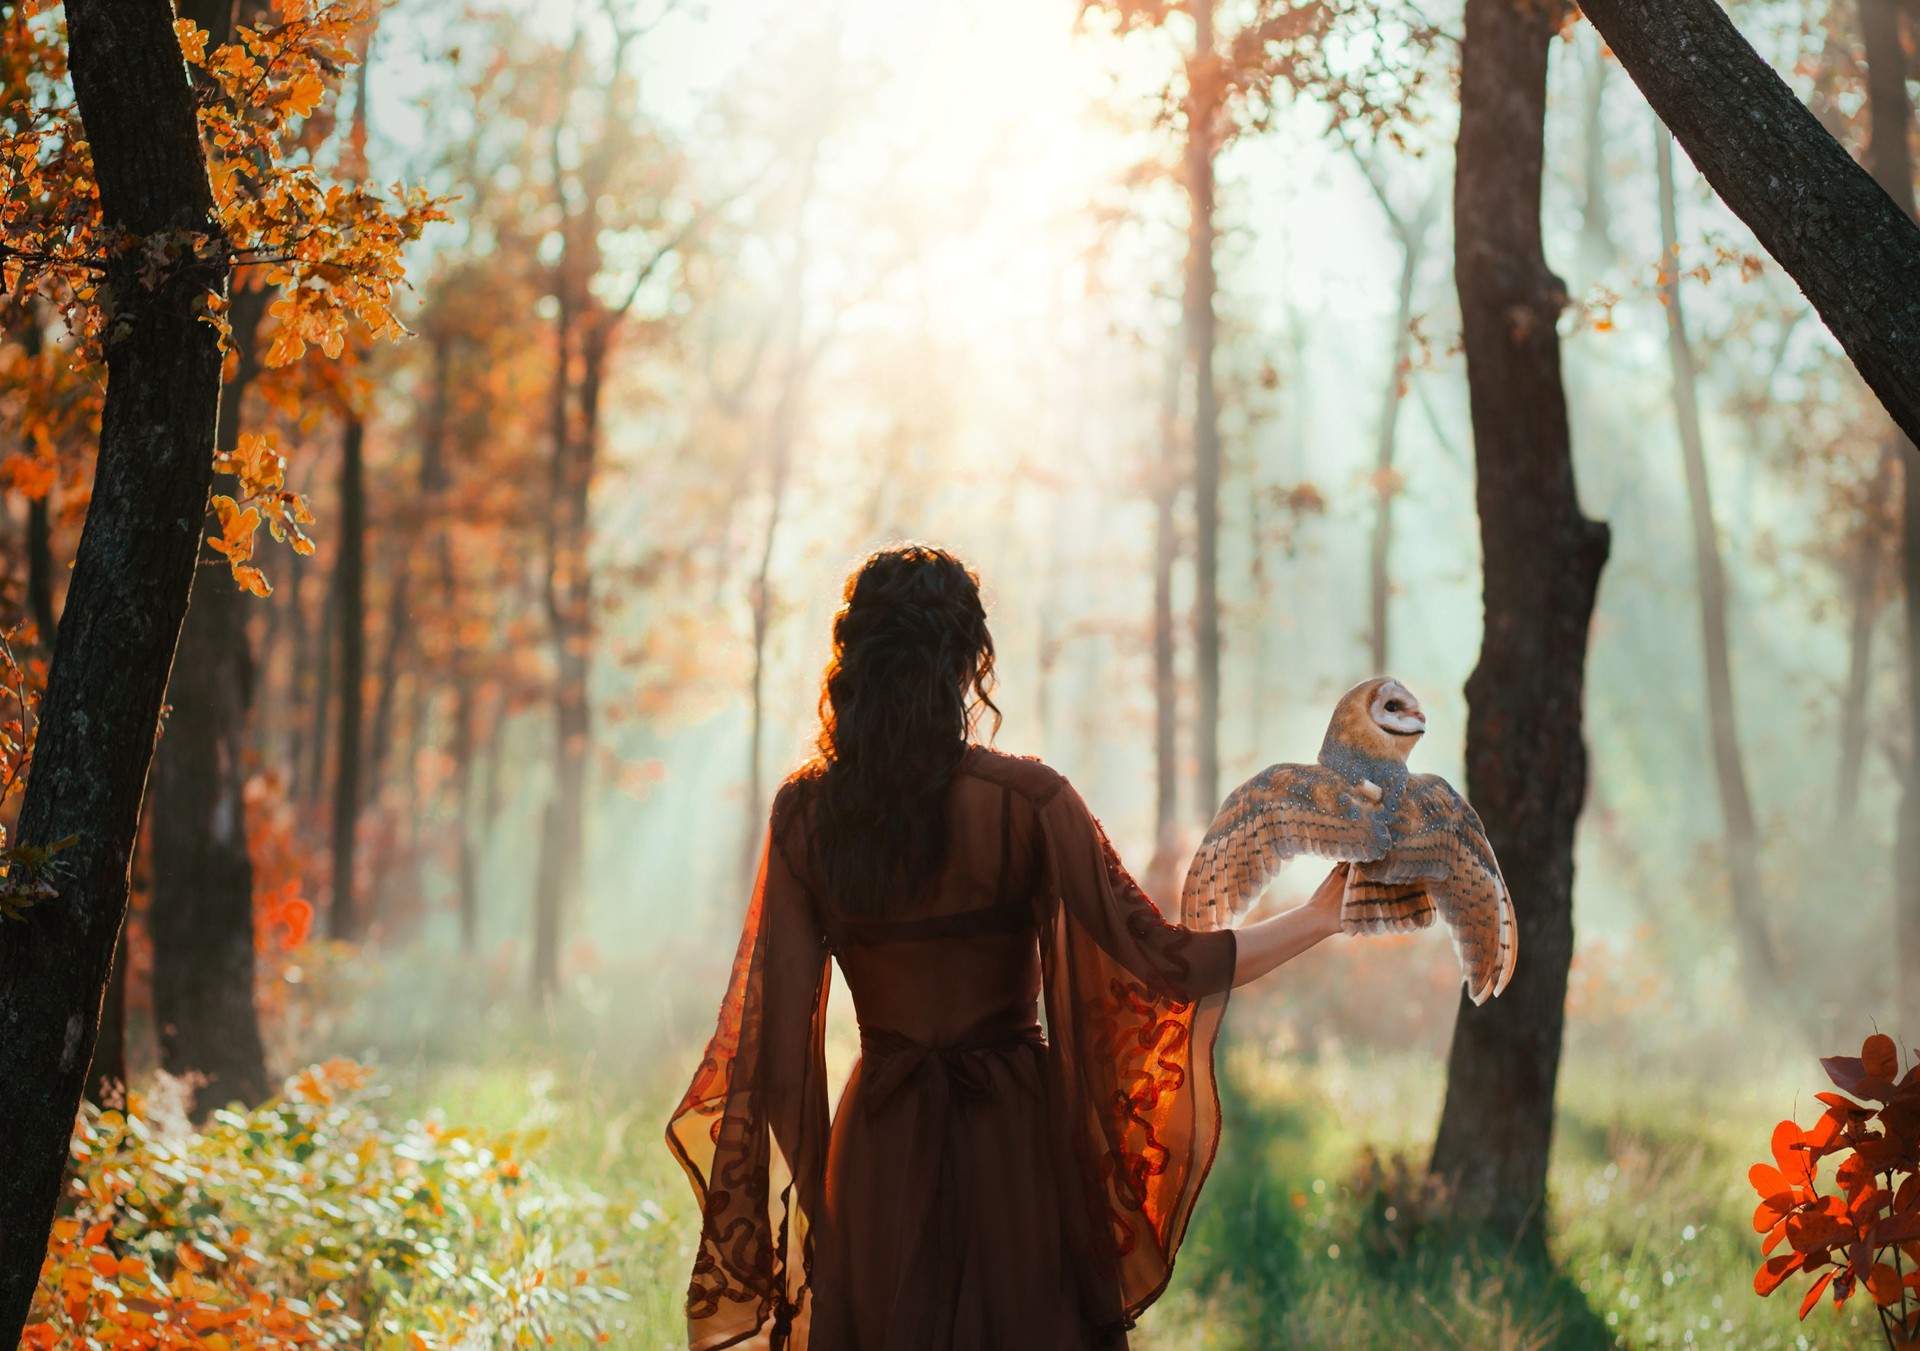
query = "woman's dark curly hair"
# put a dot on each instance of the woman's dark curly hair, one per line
(912, 670)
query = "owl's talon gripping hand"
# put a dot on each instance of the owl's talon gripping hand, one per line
(1415, 847)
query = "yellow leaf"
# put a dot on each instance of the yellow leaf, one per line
(251, 579)
(304, 94)
(193, 41)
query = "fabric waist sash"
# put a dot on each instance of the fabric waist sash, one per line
(890, 1059)
(945, 1075)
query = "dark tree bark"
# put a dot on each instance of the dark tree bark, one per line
(1740, 838)
(1203, 144)
(1851, 248)
(107, 1075)
(128, 594)
(1890, 152)
(202, 912)
(1526, 759)
(350, 582)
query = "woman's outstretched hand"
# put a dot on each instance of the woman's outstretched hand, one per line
(1270, 943)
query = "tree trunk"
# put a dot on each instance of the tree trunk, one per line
(1163, 872)
(1385, 476)
(1203, 101)
(1852, 249)
(350, 581)
(781, 433)
(128, 594)
(467, 865)
(202, 913)
(569, 596)
(39, 518)
(379, 738)
(316, 771)
(1741, 837)
(1596, 193)
(1526, 760)
(107, 1075)
(1863, 608)
(1891, 153)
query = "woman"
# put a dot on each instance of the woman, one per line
(984, 1186)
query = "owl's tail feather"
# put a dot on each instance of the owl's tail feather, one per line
(1378, 908)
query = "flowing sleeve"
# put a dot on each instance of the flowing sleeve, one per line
(760, 1091)
(1134, 1006)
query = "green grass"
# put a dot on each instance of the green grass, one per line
(1651, 1244)
(1291, 1246)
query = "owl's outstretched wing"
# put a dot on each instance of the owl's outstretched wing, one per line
(1440, 845)
(1282, 811)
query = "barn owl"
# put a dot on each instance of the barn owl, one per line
(1413, 844)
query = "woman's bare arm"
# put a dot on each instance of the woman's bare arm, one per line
(1270, 943)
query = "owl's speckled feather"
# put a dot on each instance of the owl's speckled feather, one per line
(1417, 846)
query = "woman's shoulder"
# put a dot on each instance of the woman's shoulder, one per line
(1026, 775)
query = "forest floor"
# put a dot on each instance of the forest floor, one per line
(1314, 1230)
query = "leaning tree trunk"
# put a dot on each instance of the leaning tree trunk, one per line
(1526, 760)
(1891, 152)
(1203, 94)
(1740, 836)
(128, 593)
(1852, 249)
(201, 918)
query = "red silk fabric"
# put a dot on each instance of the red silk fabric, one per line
(981, 1185)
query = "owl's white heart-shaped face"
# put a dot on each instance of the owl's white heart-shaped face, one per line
(1396, 712)
(1377, 719)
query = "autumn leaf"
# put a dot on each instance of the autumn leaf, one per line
(303, 95)
(193, 41)
(1776, 1270)
(1769, 1182)
(1878, 1056)
(1813, 1294)
(1883, 1284)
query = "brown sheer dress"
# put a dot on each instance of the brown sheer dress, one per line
(983, 1186)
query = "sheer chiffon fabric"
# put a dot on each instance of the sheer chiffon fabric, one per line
(982, 1185)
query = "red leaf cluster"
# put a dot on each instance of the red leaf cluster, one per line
(1867, 1234)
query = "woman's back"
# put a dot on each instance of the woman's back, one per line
(964, 952)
